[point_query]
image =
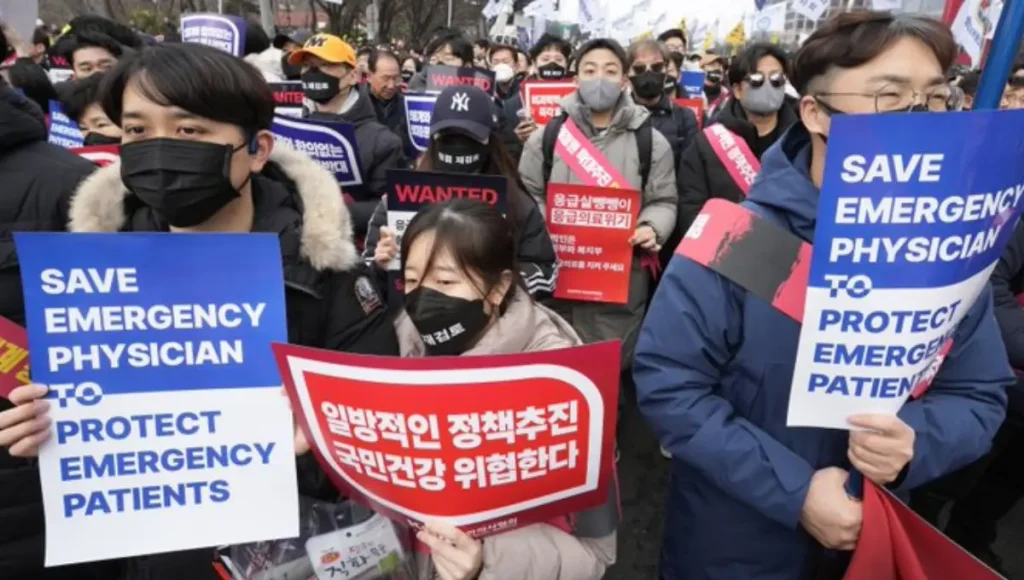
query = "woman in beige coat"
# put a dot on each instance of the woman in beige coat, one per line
(458, 260)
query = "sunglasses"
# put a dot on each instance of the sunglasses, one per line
(756, 80)
(639, 69)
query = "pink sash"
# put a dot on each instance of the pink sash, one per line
(591, 167)
(735, 155)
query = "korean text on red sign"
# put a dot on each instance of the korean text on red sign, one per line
(486, 443)
(542, 98)
(591, 227)
(13, 357)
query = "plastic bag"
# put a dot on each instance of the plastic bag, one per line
(337, 541)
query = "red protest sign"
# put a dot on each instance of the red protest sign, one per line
(13, 357)
(591, 227)
(102, 155)
(486, 443)
(542, 99)
(695, 105)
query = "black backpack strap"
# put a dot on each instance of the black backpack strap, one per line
(548, 143)
(645, 147)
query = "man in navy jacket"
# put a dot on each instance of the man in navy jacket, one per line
(750, 497)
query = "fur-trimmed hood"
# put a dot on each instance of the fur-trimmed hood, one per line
(325, 240)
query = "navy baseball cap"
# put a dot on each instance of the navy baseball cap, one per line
(299, 37)
(464, 109)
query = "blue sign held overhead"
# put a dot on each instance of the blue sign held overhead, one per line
(914, 213)
(419, 108)
(165, 398)
(331, 144)
(692, 82)
(226, 33)
(64, 131)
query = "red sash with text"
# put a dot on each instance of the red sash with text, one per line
(735, 155)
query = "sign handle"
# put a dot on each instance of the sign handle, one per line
(1005, 45)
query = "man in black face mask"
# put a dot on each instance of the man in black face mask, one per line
(714, 79)
(329, 80)
(80, 101)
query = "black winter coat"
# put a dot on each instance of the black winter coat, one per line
(510, 102)
(391, 114)
(36, 183)
(702, 175)
(330, 297)
(379, 151)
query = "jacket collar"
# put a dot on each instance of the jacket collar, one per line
(101, 201)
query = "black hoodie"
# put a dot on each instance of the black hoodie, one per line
(379, 151)
(36, 183)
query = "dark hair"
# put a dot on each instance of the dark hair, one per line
(376, 55)
(78, 94)
(480, 240)
(28, 76)
(969, 82)
(519, 51)
(501, 48)
(199, 79)
(548, 42)
(69, 44)
(745, 62)
(457, 43)
(120, 33)
(851, 39)
(647, 45)
(672, 33)
(365, 51)
(256, 40)
(40, 36)
(4, 47)
(599, 43)
(482, 43)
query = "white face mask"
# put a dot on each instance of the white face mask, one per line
(503, 73)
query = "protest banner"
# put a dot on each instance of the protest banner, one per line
(543, 98)
(102, 155)
(692, 83)
(166, 405)
(13, 357)
(287, 98)
(695, 105)
(590, 227)
(419, 108)
(222, 32)
(905, 241)
(485, 443)
(64, 131)
(331, 144)
(59, 75)
(410, 191)
(440, 77)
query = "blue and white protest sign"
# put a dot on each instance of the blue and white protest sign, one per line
(419, 108)
(692, 82)
(331, 144)
(226, 33)
(914, 212)
(169, 428)
(64, 131)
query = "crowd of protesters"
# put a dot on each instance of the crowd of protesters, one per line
(749, 498)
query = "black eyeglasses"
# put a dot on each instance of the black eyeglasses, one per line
(897, 99)
(639, 69)
(757, 79)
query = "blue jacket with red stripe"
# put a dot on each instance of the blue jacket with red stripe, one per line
(713, 369)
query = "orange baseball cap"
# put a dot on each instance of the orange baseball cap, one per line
(326, 47)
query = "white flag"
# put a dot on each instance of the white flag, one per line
(969, 29)
(771, 19)
(810, 9)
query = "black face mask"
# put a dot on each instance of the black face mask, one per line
(184, 182)
(551, 72)
(291, 72)
(649, 84)
(671, 83)
(460, 154)
(713, 79)
(319, 86)
(92, 139)
(407, 75)
(448, 325)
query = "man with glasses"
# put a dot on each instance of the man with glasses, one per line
(750, 497)
(715, 91)
(756, 115)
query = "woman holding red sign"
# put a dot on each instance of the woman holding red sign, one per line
(464, 297)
